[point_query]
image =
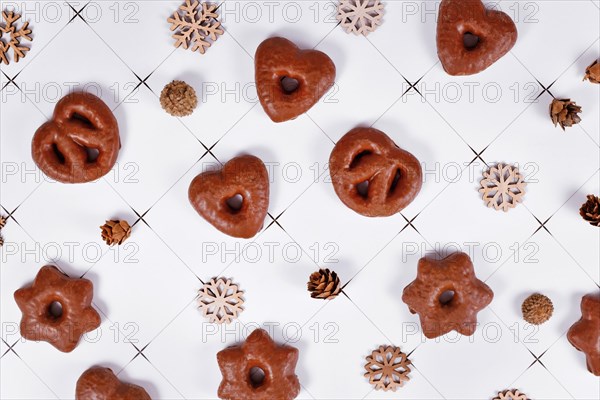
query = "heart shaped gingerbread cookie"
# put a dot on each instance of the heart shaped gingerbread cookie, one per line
(235, 199)
(470, 37)
(99, 383)
(289, 81)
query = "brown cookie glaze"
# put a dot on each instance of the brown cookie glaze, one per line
(584, 335)
(210, 194)
(239, 366)
(57, 309)
(447, 295)
(99, 383)
(372, 175)
(492, 34)
(278, 58)
(80, 143)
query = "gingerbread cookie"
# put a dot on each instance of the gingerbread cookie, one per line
(447, 295)
(258, 369)
(372, 175)
(213, 196)
(470, 37)
(584, 335)
(289, 81)
(57, 309)
(80, 143)
(99, 383)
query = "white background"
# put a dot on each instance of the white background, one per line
(152, 333)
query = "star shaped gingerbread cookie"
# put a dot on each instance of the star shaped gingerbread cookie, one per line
(243, 368)
(585, 333)
(447, 295)
(57, 309)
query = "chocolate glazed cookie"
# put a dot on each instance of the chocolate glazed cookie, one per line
(470, 37)
(372, 175)
(289, 81)
(258, 369)
(447, 295)
(99, 383)
(584, 334)
(235, 199)
(57, 309)
(80, 143)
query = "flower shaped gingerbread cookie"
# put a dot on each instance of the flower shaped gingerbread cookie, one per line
(57, 309)
(447, 295)
(242, 368)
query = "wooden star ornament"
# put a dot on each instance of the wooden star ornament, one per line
(584, 335)
(447, 295)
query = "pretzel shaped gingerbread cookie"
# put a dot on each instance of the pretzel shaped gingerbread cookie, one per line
(372, 175)
(80, 143)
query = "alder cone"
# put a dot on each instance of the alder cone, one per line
(592, 72)
(324, 284)
(590, 210)
(564, 112)
(115, 232)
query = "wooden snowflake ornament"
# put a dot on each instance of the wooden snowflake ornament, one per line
(14, 37)
(502, 187)
(511, 395)
(387, 368)
(220, 300)
(360, 17)
(195, 26)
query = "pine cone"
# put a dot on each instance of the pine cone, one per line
(590, 210)
(2, 221)
(324, 284)
(115, 232)
(178, 99)
(564, 112)
(592, 73)
(537, 309)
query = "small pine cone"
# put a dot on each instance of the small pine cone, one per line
(324, 284)
(590, 210)
(115, 232)
(1, 241)
(592, 73)
(564, 112)
(2, 221)
(178, 99)
(537, 309)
